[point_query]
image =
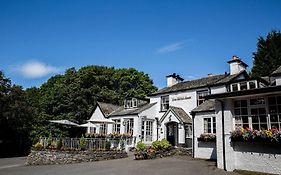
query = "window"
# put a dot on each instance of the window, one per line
(116, 126)
(165, 103)
(130, 103)
(188, 131)
(129, 126)
(92, 130)
(234, 87)
(209, 125)
(241, 113)
(148, 131)
(274, 109)
(103, 128)
(200, 96)
(243, 86)
(251, 115)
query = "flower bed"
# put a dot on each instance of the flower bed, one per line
(207, 137)
(113, 135)
(248, 135)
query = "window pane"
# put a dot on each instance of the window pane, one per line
(237, 111)
(243, 103)
(244, 111)
(273, 118)
(237, 103)
(274, 126)
(255, 119)
(263, 119)
(272, 109)
(278, 99)
(256, 126)
(272, 100)
(245, 119)
(261, 111)
(234, 87)
(252, 85)
(243, 86)
(264, 126)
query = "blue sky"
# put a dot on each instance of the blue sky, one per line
(41, 38)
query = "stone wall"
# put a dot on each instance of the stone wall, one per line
(48, 157)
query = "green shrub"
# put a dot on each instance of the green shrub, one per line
(82, 143)
(161, 145)
(140, 146)
(59, 144)
(107, 145)
(38, 145)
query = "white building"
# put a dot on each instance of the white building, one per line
(248, 103)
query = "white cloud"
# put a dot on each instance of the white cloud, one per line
(170, 48)
(35, 69)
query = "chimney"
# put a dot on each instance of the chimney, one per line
(210, 75)
(236, 65)
(173, 79)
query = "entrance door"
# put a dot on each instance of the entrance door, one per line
(172, 133)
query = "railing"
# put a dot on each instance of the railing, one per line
(91, 143)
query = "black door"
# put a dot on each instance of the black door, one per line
(172, 133)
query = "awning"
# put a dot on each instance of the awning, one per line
(89, 124)
(107, 121)
(64, 122)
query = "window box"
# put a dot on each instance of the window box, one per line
(248, 135)
(207, 137)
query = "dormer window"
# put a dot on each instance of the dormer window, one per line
(131, 103)
(164, 103)
(243, 86)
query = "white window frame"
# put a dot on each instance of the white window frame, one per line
(165, 102)
(116, 128)
(239, 85)
(103, 128)
(129, 126)
(200, 96)
(212, 125)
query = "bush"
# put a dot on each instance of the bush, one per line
(107, 145)
(161, 145)
(82, 143)
(38, 146)
(59, 144)
(140, 146)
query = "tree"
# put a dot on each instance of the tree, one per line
(15, 119)
(74, 94)
(267, 58)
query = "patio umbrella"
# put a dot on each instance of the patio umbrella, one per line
(89, 124)
(64, 122)
(102, 121)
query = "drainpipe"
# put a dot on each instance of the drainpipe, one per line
(157, 127)
(193, 136)
(223, 135)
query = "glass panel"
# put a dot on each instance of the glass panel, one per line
(243, 103)
(263, 119)
(245, 119)
(273, 118)
(263, 126)
(237, 103)
(256, 126)
(261, 110)
(278, 99)
(252, 85)
(254, 112)
(234, 87)
(272, 109)
(243, 86)
(272, 100)
(244, 111)
(274, 126)
(255, 119)
(237, 111)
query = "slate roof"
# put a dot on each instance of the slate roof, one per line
(181, 114)
(277, 71)
(107, 108)
(133, 111)
(208, 105)
(202, 82)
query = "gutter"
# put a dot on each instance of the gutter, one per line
(223, 135)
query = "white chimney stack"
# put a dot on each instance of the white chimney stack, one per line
(236, 65)
(173, 79)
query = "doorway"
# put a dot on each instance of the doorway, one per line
(172, 133)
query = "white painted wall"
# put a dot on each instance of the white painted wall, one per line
(236, 67)
(181, 132)
(258, 157)
(97, 114)
(278, 81)
(204, 150)
(218, 89)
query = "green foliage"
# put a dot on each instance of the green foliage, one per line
(267, 58)
(161, 145)
(140, 146)
(73, 95)
(107, 145)
(59, 144)
(82, 143)
(38, 146)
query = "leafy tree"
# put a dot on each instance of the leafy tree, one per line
(267, 58)
(15, 119)
(74, 94)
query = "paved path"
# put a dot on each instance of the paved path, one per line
(165, 166)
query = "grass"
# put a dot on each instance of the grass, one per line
(244, 172)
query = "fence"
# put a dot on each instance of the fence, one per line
(91, 143)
